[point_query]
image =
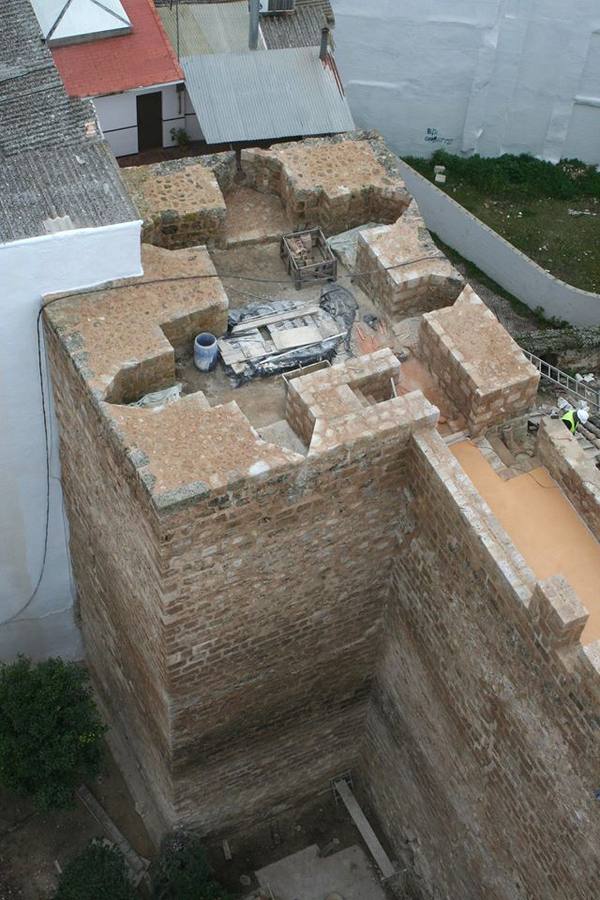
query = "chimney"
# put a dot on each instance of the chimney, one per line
(324, 43)
(254, 16)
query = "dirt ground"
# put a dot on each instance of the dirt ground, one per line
(261, 400)
(31, 843)
(323, 822)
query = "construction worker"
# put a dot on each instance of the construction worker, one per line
(573, 418)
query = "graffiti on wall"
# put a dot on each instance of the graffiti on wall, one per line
(432, 136)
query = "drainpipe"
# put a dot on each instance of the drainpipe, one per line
(254, 16)
(324, 43)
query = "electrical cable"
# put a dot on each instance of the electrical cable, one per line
(223, 276)
(547, 487)
(33, 594)
(134, 284)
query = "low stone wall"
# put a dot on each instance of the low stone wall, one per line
(123, 353)
(339, 392)
(404, 272)
(477, 363)
(578, 476)
(180, 202)
(333, 183)
(482, 750)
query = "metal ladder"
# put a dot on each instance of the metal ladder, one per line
(579, 389)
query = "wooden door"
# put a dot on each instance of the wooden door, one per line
(149, 120)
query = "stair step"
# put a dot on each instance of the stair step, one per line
(455, 438)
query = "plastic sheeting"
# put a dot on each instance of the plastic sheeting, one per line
(344, 245)
(336, 302)
(158, 399)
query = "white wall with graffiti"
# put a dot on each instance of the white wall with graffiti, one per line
(483, 76)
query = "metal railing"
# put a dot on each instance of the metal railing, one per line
(579, 389)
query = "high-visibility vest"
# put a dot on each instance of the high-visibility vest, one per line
(570, 420)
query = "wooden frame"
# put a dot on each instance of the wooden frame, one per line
(323, 270)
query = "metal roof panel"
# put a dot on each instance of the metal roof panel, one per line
(261, 96)
(208, 27)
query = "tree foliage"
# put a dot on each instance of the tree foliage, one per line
(50, 730)
(99, 873)
(182, 871)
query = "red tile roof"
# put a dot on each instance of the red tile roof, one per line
(111, 65)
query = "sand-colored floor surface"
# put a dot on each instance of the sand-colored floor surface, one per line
(544, 527)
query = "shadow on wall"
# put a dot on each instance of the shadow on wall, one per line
(495, 256)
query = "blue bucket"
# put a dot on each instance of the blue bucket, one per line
(206, 351)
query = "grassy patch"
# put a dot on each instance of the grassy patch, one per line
(473, 271)
(528, 201)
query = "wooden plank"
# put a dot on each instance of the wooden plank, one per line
(244, 347)
(368, 835)
(259, 321)
(286, 338)
(138, 865)
(279, 353)
(230, 352)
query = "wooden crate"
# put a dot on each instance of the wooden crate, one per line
(308, 257)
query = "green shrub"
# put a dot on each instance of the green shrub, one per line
(50, 730)
(181, 137)
(513, 177)
(99, 873)
(182, 871)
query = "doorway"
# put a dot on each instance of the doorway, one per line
(149, 120)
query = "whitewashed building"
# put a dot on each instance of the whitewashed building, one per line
(483, 76)
(66, 223)
(117, 53)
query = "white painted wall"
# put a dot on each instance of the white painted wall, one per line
(117, 114)
(485, 76)
(495, 256)
(28, 269)
(192, 126)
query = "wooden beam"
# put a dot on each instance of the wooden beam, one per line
(368, 835)
(259, 321)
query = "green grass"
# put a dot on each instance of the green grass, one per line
(527, 201)
(520, 308)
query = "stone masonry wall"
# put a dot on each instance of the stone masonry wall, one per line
(333, 183)
(274, 599)
(339, 391)
(577, 475)
(231, 623)
(482, 752)
(180, 202)
(115, 542)
(404, 272)
(477, 363)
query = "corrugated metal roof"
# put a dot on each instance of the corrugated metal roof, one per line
(261, 96)
(208, 27)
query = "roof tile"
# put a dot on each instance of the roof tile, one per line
(113, 65)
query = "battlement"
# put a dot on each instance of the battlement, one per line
(122, 338)
(477, 362)
(335, 183)
(180, 203)
(578, 476)
(484, 704)
(404, 270)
